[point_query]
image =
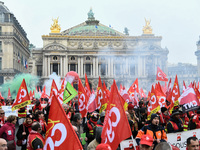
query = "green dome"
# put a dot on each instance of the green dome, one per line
(92, 30)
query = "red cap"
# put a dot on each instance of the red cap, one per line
(130, 106)
(146, 140)
(103, 146)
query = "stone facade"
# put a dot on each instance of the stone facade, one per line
(14, 52)
(99, 50)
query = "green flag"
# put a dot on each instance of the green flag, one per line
(69, 93)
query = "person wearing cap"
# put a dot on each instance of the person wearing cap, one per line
(154, 130)
(103, 146)
(146, 142)
(24, 130)
(175, 123)
(90, 126)
(194, 122)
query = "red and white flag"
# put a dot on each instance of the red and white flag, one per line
(22, 99)
(9, 94)
(54, 90)
(184, 86)
(100, 95)
(116, 127)
(87, 86)
(91, 105)
(142, 94)
(60, 133)
(188, 99)
(161, 76)
(82, 99)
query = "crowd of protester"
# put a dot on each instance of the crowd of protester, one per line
(149, 134)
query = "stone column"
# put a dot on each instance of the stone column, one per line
(93, 66)
(106, 69)
(43, 69)
(112, 70)
(51, 68)
(61, 67)
(79, 66)
(76, 69)
(97, 67)
(91, 70)
(109, 67)
(58, 69)
(65, 65)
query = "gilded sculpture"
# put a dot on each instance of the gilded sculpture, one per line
(55, 28)
(147, 28)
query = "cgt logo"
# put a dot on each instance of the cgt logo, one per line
(23, 94)
(52, 144)
(82, 102)
(111, 123)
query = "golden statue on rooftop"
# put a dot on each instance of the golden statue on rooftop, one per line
(147, 28)
(55, 28)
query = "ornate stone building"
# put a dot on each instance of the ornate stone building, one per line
(14, 52)
(197, 53)
(99, 50)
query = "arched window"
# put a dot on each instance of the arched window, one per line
(72, 58)
(87, 58)
(55, 58)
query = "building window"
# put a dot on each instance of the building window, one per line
(55, 58)
(88, 69)
(72, 58)
(103, 69)
(1, 79)
(117, 69)
(39, 70)
(87, 58)
(132, 69)
(72, 67)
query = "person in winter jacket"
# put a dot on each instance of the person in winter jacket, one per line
(8, 132)
(35, 139)
(24, 130)
(175, 123)
(94, 143)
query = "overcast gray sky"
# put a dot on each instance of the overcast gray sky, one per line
(177, 21)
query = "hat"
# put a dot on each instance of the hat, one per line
(103, 146)
(163, 109)
(95, 115)
(29, 116)
(130, 106)
(154, 116)
(146, 140)
(176, 112)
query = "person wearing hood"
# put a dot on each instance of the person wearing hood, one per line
(90, 126)
(24, 130)
(175, 123)
(156, 131)
(8, 132)
(94, 143)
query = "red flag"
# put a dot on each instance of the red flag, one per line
(161, 76)
(116, 127)
(31, 95)
(169, 87)
(44, 95)
(53, 89)
(91, 106)
(175, 94)
(184, 86)
(22, 99)
(189, 99)
(100, 97)
(87, 86)
(161, 97)
(142, 94)
(9, 94)
(125, 96)
(153, 106)
(82, 99)
(60, 133)
(134, 87)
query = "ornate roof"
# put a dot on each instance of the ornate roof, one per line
(92, 27)
(3, 8)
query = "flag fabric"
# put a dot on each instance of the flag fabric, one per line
(91, 105)
(161, 76)
(96, 26)
(106, 95)
(43, 94)
(82, 99)
(25, 63)
(134, 87)
(69, 93)
(22, 99)
(153, 106)
(184, 86)
(87, 86)
(31, 95)
(100, 95)
(60, 133)
(160, 96)
(9, 94)
(188, 99)
(125, 96)
(116, 127)
(169, 88)
(174, 95)
(142, 94)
